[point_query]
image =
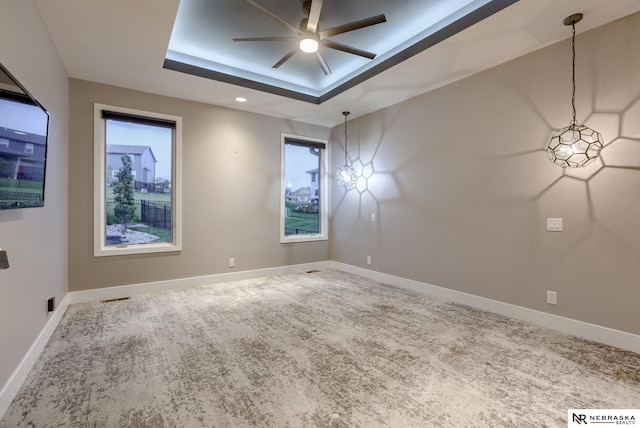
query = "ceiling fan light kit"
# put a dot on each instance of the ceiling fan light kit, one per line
(574, 146)
(309, 36)
(309, 45)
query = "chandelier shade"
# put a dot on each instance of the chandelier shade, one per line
(576, 145)
(346, 176)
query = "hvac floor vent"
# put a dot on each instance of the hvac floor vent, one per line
(117, 299)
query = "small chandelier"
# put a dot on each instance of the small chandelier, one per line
(346, 176)
(575, 145)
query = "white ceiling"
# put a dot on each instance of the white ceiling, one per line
(124, 43)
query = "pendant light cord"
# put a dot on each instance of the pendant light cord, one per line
(573, 75)
(346, 140)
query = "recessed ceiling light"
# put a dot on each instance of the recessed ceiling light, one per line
(241, 99)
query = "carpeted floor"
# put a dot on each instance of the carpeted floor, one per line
(324, 349)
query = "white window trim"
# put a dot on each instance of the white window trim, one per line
(323, 180)
(99, 185)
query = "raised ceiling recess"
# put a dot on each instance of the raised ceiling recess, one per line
(259, 43)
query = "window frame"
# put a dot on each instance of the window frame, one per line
(323, 182)
(100, 249)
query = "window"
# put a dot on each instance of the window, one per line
(4, 142)
(304, 211)
(28, 148)
(137, 174)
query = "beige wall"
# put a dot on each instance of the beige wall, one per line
(35, 238)
(462, 187)
(231, 199)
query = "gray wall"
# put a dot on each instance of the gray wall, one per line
(231, 199)
(36, 238)
(462, 186)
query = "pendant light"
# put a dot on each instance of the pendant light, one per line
(346, 176)
(575, 145)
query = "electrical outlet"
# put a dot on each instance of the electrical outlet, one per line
(368, 260)
(51, 304)
(373, 217)
(552, 297)
(232, 262)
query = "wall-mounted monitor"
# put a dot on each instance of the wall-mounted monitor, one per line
(24, 126)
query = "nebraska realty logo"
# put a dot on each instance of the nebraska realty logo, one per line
(581, 417)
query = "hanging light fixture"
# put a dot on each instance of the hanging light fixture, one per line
(575, 145)
(346, 176)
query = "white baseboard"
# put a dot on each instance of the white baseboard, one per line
(18, 376)
(197, 281)
(608, 336)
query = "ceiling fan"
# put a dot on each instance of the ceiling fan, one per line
(310, 36)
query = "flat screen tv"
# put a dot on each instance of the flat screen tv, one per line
(24, 127)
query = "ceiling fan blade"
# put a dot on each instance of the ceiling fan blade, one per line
(274, 16)
(285, 58)
(264, 39)
(323, 63)
(355, 25)
(347, 49)
(314, 16)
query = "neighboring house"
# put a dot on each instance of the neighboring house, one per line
(315, 185)
(22, 155)
(143, 165)
(301, 195)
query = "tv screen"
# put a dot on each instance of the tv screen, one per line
(24, 126)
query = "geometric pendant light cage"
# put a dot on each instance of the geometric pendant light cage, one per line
(576, 145)
(345, 175)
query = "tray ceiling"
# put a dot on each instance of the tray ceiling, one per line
(202, 41)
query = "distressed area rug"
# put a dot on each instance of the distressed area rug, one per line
(323, 349)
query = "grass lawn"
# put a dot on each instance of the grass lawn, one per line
(307, 222)
(152, 197)
(22, 186)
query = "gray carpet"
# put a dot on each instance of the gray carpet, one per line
(324, 349)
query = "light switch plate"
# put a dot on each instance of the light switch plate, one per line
(554, 225)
